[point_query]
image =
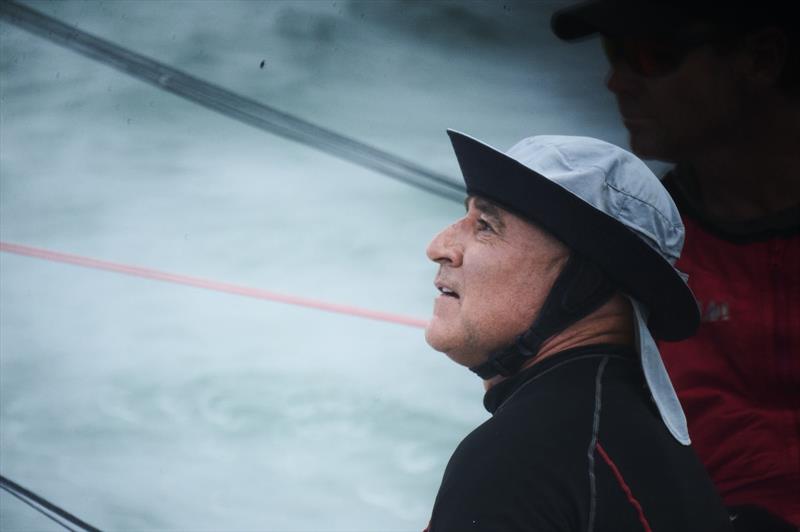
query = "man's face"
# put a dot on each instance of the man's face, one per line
(495, 271)
(674, 116)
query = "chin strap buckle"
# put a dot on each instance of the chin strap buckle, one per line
(580, 289)
(508, 361)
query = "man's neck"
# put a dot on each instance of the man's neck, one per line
(610, 324)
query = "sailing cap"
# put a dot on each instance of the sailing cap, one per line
(649, 18)
(617, 18)
(606, 205)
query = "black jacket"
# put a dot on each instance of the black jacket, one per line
(576, 444)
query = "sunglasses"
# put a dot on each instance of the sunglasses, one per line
(652, 57)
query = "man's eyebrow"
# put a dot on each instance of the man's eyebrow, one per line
(489, 209)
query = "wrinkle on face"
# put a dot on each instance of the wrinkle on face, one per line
(502, 275)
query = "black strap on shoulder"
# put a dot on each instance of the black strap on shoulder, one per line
(580, 289)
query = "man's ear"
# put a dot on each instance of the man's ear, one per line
(765, 53)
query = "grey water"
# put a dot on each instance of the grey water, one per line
(140, 405)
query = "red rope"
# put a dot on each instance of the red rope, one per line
(625, 488)
(206, 284)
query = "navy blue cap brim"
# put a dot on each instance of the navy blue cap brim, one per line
(617, 18)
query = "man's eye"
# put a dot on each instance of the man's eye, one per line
(483, 225)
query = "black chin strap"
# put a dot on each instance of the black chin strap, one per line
(580, 289)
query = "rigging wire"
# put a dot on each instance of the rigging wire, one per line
(43, 506)
(217, 286)
(36, 508)
(234, 106)
(227, 102)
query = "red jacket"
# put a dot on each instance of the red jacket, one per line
(739, 378)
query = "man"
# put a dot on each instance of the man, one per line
(552, 287)
(715, 88)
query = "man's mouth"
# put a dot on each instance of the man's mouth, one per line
(447, 292)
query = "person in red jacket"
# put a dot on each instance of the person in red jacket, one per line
(715, 89)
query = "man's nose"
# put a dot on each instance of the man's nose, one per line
(445, 248)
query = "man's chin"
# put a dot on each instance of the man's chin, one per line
(453, 350)
(435, 337)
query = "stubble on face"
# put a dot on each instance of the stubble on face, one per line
(502, 277)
